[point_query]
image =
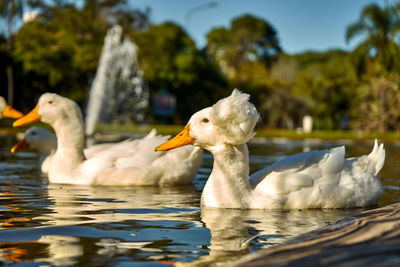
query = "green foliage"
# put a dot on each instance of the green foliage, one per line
(327, 90)
(377, 63)
(303, 60)
(60, 49)
(378, 53)
(260, 132)
(244, 53)
(54, 54)
(248, 39)
(167, 55)
(10, 12)
(59, 52)
(377, 104)
(170, 60)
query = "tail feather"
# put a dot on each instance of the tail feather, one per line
(376, 158)
(151, 134)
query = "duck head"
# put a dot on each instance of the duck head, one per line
(230, 121)
(37, 138)
(7, 111)
(51, 108)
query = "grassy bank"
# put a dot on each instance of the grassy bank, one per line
(329, 135)
(264, 133)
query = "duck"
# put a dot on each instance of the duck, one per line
(45, 143)
(6, 111)
(41, 140)
(317, 179)
(130, 162)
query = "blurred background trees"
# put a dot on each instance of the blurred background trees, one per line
(57, 49)
(10, 11)
(377, 63)
(244, 54)
(170, 61)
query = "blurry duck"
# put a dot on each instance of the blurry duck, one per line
(131, 162)
(314, 179)
(7, 111)
(45, 143)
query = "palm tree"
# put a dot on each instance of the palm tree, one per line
(9, 11)
(380, 27)
(378, 56)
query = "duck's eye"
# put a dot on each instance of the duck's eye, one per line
(205, 120)
(50, 102)
(33, 133)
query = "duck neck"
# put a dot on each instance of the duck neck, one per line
(228, 185)
(70, 142)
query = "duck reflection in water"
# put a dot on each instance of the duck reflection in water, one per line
(76, 205)
(150, 224)
(236, 232)
(115, 221)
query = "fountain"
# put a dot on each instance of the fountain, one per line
(118, 93)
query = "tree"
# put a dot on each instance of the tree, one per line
(245, 53)
(380, 27)
(60, 49)
(170, 60)
(377, 63)
(378, 102)
(10, 10)
(326, 86)
(247, 40)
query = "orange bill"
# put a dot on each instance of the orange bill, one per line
(21, 145)
(12, 113)
(181, 139)
(29, 118)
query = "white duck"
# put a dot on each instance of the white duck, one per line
(7, 111)
(315, 179)
(132, 162)
(42, 140)
(45, 143)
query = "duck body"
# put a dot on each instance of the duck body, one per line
(131, 162)
(323, 179)
(314, 179)
(45, 143)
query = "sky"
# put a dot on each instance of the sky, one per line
(302, 25)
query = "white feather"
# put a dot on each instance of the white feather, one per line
(235, 117)
(315, 179)
(132, 162)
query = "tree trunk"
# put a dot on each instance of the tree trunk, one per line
(10, 79)
(10, 84)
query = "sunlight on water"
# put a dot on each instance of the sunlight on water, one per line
(60, 225)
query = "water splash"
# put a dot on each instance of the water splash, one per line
(118, 93)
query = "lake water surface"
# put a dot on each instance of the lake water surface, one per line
(59, 225)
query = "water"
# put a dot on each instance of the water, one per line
(63, 225)
(118, 93)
